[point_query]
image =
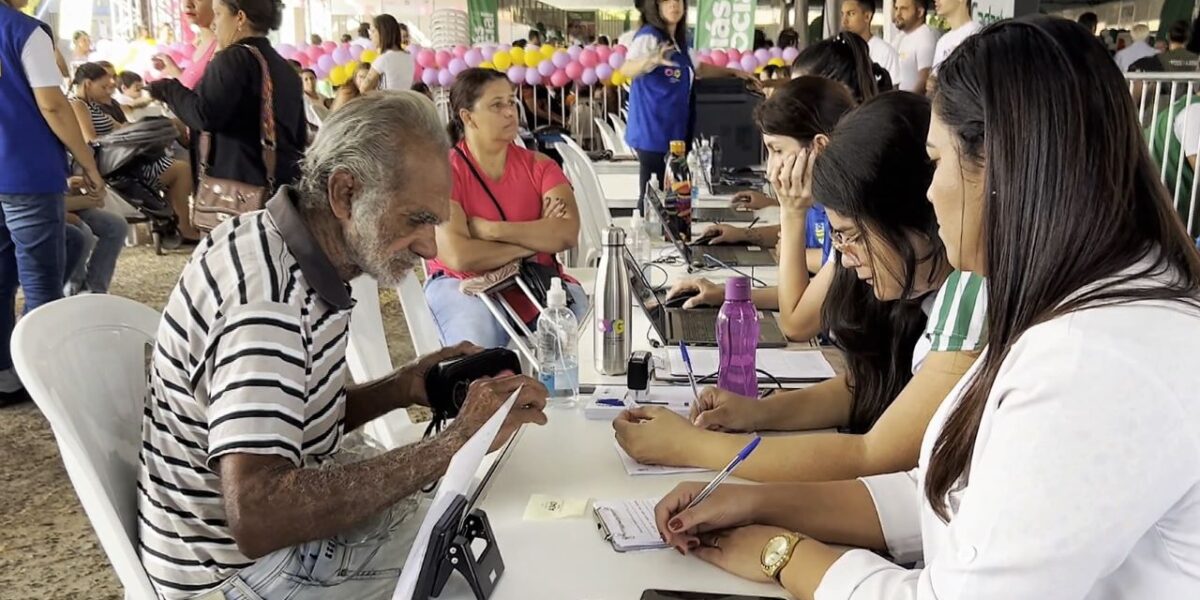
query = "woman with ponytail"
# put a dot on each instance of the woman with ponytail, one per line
(845, 58)
(507, 204)
(1066, 464)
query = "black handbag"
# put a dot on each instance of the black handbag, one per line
(535, 275)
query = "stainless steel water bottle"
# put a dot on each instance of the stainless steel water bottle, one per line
(613, 306)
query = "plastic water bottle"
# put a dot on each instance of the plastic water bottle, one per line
(693, 163)
(639, 243)
(653, 221)
(714, 175)
(558, 348)
(737, 340)
(679, 190)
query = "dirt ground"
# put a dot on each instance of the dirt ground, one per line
(48, 548)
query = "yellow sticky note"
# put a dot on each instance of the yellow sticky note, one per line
(549, 508)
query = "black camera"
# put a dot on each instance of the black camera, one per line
(447, 382)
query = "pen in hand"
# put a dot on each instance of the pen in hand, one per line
(687, 362)
(724, 474)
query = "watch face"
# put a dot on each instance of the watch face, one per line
(776, 546)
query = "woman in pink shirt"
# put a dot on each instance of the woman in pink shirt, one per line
(199, 12)
(507, 204)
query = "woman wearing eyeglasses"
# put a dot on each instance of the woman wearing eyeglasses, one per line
(908, 324)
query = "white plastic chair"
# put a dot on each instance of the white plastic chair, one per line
(621, 129)
(611, 142)
(593, 210)
(83, 361)
(368, 359)
(421, 327)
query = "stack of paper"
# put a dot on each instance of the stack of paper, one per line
(784, 365)
(629, 524)
(634, 467)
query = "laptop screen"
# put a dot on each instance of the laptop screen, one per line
(652, 304)
(654, 196)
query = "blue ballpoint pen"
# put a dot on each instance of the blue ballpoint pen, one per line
(687, 362)
(726, 472)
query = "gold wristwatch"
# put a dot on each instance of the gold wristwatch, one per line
(777, 552)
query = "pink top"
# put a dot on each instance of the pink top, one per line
(192, 75)
(526, 180)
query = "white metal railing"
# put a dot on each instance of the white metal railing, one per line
(1162, 101)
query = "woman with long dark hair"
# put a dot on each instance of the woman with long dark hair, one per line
(661, 64)
(905, 345)
(507, 204)
(1066, 464)
(393, 68)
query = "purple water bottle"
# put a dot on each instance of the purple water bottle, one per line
(737, 340)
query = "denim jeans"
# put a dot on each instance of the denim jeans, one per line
(32, 256)
(105, 233)
(460, 317)
(79, 244)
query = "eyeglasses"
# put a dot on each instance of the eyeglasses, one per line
(843, 243)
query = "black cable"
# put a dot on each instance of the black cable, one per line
(712, 377)
(754, 280)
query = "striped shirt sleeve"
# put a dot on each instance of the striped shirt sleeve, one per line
(958, 320)
(257, 389)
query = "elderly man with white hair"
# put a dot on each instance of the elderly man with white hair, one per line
(245, 490)
(1137, 49)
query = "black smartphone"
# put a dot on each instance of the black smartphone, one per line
(681, 595)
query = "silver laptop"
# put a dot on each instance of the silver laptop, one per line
(733, 256)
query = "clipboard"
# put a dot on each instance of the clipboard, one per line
(624, 525)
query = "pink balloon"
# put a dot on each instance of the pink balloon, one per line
(575, 51)
(621, 49)
(559, 79)
(442, 59)
(282, 49)
(704, 59)
(427, 59)
(321, 73)
(762, 55)
(604, 72)
(315, 52)
(457, 66)
(588, 58)
(355, 51)
(473, 57)
(790, 54)
(776, 52)
(430, 77)
(460, 51)
(749, 63)
(616, 60)
(516, 74)
(341, 56)
(719, 58)
(445, 78)
(488, 52)
(734, 55)
(561, 59)
(589, 77)
(329, 46)
(574, 70)
(326, 62)
(303, 59)
(533, 77)
(545, 68)
(603, 52)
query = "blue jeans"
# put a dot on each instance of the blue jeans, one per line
(32, 257)
(105, 233)
(460, 317)
(79, 243)
(364, 565)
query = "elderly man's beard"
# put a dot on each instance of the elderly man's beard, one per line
(366, 247)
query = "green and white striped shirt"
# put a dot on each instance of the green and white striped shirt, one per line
(957, 318)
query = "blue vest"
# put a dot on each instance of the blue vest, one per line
(32, 160)
(660, 102)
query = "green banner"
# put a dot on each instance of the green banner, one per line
(726, 24)
(481, 16)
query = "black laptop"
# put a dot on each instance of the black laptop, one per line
(733, 256)
(722, 214)
(695, 327)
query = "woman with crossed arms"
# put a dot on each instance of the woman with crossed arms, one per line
(1066, 464)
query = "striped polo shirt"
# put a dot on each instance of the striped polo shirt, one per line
(250, 358)
(957, 317)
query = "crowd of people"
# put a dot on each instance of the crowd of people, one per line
(999, 298)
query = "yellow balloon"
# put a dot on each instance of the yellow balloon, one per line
(777, 62)
(548, 50)
(369, 56)
(533, 58)
(337, 76)
(502, 60)
(618, 78)
(487, 64)
(518, 55)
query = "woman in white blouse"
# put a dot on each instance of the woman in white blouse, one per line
(393, 68)
(1066, 464)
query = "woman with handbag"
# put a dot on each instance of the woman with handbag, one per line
(508, 204)
(247, 114)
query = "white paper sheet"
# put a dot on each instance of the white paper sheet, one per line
(457, 480)
(634, 467)
(785, 365)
